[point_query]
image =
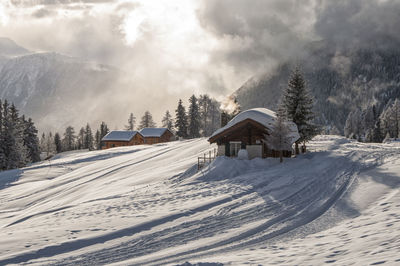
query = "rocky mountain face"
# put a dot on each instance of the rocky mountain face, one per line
(55, 90)
(339, 81)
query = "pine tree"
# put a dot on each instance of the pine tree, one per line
(15, 152)
(81, 139)
(131, 122)
(57, 142)
(50, 146)
(103, 130)
(69, 139)
(147, 121)
(181, 121)
(167, 121)
(194, 118)
(88, 139)
(97, 140)
(31, 141)
(298, 105)
(205, 114)
(279, 138)
(42, 144)
(377, 133)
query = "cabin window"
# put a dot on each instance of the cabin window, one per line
(112, 145)
(234, 148)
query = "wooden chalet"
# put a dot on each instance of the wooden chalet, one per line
(156, 135)
(121, 138)
(250, 130)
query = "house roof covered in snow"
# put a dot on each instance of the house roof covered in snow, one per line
(263, 116)
(152, 132)
(119, 135)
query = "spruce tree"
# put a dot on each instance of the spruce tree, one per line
(205, 114)
(147, 121)
(69, 139)
(81, 139)
(97, 140)
(57, 142)
(181, 121)
(103, 130)
(131, 122)
(298, 105)
(15, 152)
(167, 121)
(88, 139)
(194, 118)
(31, 141)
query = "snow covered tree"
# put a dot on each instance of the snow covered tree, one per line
(81, 139)
(279, 138)
(97, 140)
(391, 120)
(181, 121)
(147, 121)
(168, 121)
(298, 105)
(69, 139)
(57, 142)
(50, 146)
(194, 119)
(131, 122)
(88, 139)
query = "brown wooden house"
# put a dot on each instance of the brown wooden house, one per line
(156, 135)
(250, 130)
(121, 138)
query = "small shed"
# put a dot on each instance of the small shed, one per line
(121, 138)
(156, 135)
(250, 130)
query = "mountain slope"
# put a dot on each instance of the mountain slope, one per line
(148, 205)
(339, 81)
(9, 48)
(57, 90)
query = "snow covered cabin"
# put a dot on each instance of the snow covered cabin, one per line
(156, 135)
(121, 138)
(250, 130)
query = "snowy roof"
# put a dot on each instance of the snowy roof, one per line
(152, 132)
(119, 136)
(263, 116)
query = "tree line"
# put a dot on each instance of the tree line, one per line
(19, 144)
(201, 119)
(374, 125)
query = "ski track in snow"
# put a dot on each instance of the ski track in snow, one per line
(148, 205)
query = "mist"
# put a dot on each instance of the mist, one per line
(168, 50)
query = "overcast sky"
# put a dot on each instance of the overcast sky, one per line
(179, 47)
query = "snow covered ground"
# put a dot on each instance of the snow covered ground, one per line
(148, 205)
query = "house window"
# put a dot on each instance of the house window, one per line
(234, 148)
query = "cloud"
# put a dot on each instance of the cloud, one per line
(256, 35)
(359, 24)
(171, 49)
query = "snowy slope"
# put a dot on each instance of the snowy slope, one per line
(148, 205)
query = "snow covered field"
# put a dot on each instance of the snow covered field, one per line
(148, 205)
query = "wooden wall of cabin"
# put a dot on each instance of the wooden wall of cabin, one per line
(244, 136)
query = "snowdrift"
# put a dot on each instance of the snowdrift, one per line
(148, 205)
